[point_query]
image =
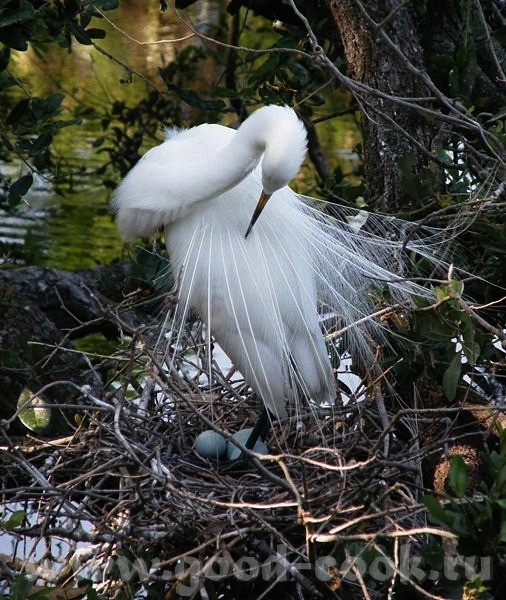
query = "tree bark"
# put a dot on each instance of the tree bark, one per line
(382, 66)
(461, 31)
(42, 311)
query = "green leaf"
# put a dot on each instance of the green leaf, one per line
(500, 479)
(502, 531)
(34, 413)
(18, 112)
(48, 592)
(437, 512)
(411, 182)
(180, 4)
(46, 107)
(470, 347)
(451, 377)
(40, 143)
(472, 352)
(453, 81)
(457, 475)
(20, 588)
(15, 12)
(95, 33)
(5, 54)
(19, 188)
(441, 293)
(103, 4)
(301, 74)
(453, 521)
(264, 71)
(193, 99)
(13, 37)
(458, 286)
(59, 124)
(80, 34)
(92, 594)
(503, 445)
(461, 56)
(433, 329)
(225, 92)
(14, 520)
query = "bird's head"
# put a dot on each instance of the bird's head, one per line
(284, 151)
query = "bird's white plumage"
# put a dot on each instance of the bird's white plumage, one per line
(197, 165)
(259, 296)
(259, 304)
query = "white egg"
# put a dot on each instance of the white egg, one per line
(242, 436)
(211, 444)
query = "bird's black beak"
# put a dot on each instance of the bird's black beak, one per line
(262, 201)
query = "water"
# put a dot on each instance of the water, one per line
(66, 231)
(70, 226)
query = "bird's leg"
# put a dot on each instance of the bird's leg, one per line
(242, 462)
(259, 430)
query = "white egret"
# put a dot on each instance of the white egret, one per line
(261, 294)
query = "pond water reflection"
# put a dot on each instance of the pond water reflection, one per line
(63, 229)
(71, 227)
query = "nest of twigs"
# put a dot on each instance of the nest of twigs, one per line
(138, 508)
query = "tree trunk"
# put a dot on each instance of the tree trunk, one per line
(389, 130)
(462, 31)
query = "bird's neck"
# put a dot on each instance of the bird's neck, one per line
(236, 160)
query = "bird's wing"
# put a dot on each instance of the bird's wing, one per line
(162, 187)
